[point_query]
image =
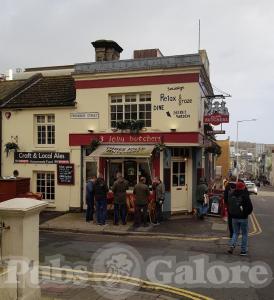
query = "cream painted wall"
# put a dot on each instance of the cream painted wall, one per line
(97, 100)
(21, 124)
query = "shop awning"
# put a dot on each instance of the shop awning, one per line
(123, 151)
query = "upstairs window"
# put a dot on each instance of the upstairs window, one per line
(129, 107)
(45, 129)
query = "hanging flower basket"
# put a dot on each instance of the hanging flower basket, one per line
(94, 144)
(11, 146)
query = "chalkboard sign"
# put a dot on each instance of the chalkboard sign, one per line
(65, 174)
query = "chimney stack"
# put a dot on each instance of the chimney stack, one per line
(106, 50)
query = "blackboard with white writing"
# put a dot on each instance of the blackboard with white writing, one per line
(65, 174)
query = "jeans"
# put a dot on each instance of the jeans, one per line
(140, 210)
(120, 209)
(90, 211)
(159, 212)
(230, 225)
(101, 211)
(202, 209)
(240, 225)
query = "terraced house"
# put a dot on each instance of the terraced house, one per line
(141, 117)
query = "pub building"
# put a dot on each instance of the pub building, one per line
(141, 117)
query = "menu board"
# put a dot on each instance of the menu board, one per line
(65, 174)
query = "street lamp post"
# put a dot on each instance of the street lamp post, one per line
(237, 143)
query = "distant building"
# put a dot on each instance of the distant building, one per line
(223, 160)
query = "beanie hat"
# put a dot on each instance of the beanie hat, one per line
(240, 186)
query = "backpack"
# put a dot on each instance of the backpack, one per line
(235, 205)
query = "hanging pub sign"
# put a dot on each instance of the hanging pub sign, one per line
(216, 113)
(41, 157)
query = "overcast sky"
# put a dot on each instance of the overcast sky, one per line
(238, 37)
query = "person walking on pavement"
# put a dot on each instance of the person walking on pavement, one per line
(100, 193)
(159, 193)
(119, 190)
(141, 192)
(239, 207)
(229, 188)
(201, 196)
(90, 198)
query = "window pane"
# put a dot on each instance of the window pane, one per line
(174, 180)
(113, 108)
(141, 115)
(175, 167)
(119, 108)
(144, 171)
(181, 180)
(134, 107)
(182, 167)
(130, 172)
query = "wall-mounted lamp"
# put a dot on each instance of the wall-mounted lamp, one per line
(90, 130)
(173, 129)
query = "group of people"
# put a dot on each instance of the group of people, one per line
(239, 207)
(96, 198)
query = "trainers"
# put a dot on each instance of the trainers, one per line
(230, 250)
(243, 253)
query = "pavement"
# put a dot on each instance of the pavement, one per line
(176, 226)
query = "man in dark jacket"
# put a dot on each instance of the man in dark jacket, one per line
(119, 190)
(100, 194)
(239, 207)
(229, 188)
(90, 198)
(141, 192)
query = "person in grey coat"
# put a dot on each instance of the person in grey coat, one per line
(159, 193)
(141, 192)
(119, 190)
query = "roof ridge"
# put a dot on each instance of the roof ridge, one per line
(19, 90)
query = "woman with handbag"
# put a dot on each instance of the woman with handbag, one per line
(159, 192)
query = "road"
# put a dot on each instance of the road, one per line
(80, 248)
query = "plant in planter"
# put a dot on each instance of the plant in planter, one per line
(11, 146)
(133, 126)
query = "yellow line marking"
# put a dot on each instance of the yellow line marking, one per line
(99, 277)
(257, 224)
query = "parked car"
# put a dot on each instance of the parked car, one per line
(251, 187)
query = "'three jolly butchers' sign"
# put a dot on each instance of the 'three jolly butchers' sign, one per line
(41, 157)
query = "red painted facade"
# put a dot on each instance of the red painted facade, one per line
(137, 81)
(83, 139)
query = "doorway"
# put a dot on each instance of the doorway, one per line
(179, 185)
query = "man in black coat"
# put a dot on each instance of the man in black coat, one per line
(239, 207)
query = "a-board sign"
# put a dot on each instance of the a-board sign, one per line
(65, 174)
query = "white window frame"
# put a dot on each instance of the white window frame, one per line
(130, 99)
(49, 121)
(47, 185)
